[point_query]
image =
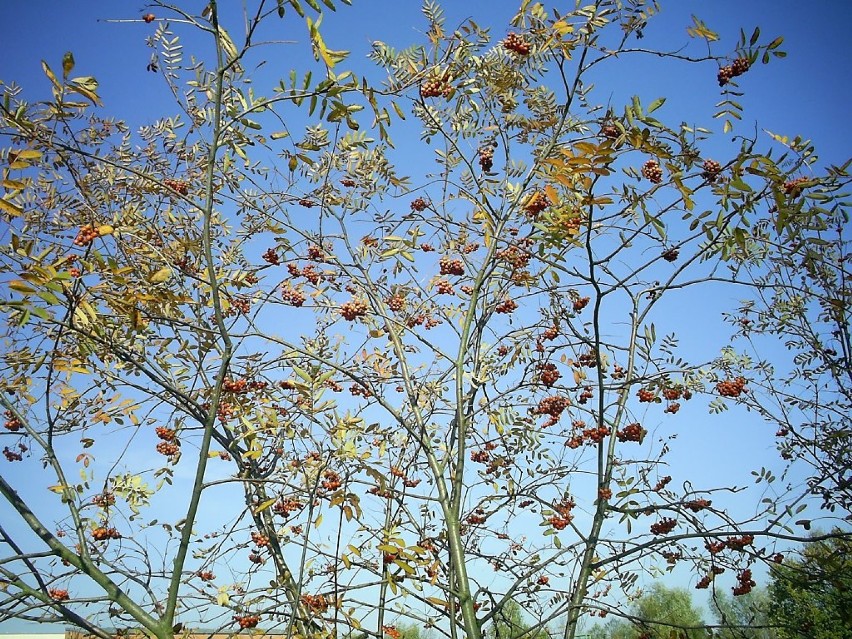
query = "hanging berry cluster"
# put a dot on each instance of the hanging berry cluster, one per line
(728, 72)
(58, 594)
(317, 604)
(451, 266)
(732, 387)
(664, 526)
(549, 375)
(271, 256)
(396, 303)
(563, 516)
(102, 533)
(535, 203)
(516, 44)
(631, 433)
(553, 407)
(436, 87)
(169, 445)
(419, 204)
(794, 187)
(711, 170)
(178, 186)
(292, 296)
(744, 583)
(247, 621)
(287, 505)
(87, 234)
(486, 156)
(652, 172)
(508, 305)
(12, 423)
(353, 309)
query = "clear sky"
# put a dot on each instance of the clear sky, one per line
(808, 93)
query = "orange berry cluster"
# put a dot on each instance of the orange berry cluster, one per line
(745, 583)
(543, 580)
(316, 603)
(419, 204)
(166, 434)
(672, 408)
(308, 204)
(794, 187)
(696, 505)
(239, 305)
(451, 266)
(149, 17)
(563, 515)
(12, 423)
(426, 248)
(444, 287)
(486, 156)
(177, 185)
(662, 483)
(646, 395)
(477, 517)
(271, 256)
(711, 169)
(260, 540)
(536, 203)
(739, 543)
(316, 253)
(610, 131)
(580, 303)
(516, 44)
(631, 433)
(206, 575)
(292, 296)
(168, 448)
(652, 172)
(247, 621)
(102, 533)
(589, 359)
(508, 305)
(732, 388)
(353, 309)
(396, 303)
(435, 87)
(549, 375)
(714, 547)
(58, 594)
(349, 182)
(664, 526)
(728, 72)
(104, 500)
(515, 256)
(550, 333)
(331, 480)
(553, 407)
(86, 235)
(596, 435)
(287, 506)
(604, 493)
(392, 632)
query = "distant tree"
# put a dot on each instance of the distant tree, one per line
(811, 597)
(660, 613)
(510, 623)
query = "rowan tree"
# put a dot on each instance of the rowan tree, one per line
(283, 379)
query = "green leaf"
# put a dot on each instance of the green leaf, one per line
(656, 104)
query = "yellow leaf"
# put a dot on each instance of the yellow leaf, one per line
(106, 229)
(160, 276)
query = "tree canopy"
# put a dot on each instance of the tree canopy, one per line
(351, 346)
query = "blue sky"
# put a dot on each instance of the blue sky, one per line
(806, 94)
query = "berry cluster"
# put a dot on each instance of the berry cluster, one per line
(287, 506)
(239, 305)
(86, 235)
(206, 575)
(104, 499)
(664, 526)
(308, 204)
(563, 515)
(543, 580)
(586, 395)
(794, 187)
(549, 375)
(396, 303)
(610, 131)
(589, 359)
(744, 583)
(292, 296)
(670, 255)
(12, 455)
(697, 505)
(58, 594)
(662, 483)
(435, 87)
(74, 272)
(604, 493)
(392, 632)
(711, 170)
(316, 253)
(596, 435)
(272, 257)
(353, 309)
(652, 172)
(728, 72)
(166, 434)
(714, 547)
(331, 480)
(486, 156)
(739, 543)
(419, 204)
(102, 533)
(508, 305)
(12, 423)
(149, 17)
(550, 333)
(631, 433)
(318, 604)
(553, 407)
(348, 182)
(451, 266)
(732, 387)
(535, 203)
(168, 448)
(646, 395)
(178, 186)
(516, 44)
(445, 287)
(247, 621)
(480, 456)
(260, 540)
(476, 518)
(580, 303)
